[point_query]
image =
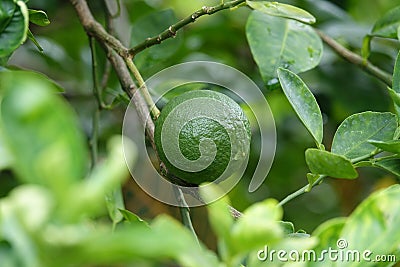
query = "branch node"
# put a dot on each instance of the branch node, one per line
(172, 31)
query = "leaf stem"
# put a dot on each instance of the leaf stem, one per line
(155, 112)
(356, 59)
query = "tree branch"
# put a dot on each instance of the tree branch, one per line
(356, 59)
(172, 30)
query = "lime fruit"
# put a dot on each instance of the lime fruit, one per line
(202, 135)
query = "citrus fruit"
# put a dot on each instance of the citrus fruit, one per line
(202, 136)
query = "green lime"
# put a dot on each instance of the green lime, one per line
(202, 135)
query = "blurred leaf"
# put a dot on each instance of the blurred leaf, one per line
(327, 163)
(387, 25)
(374, 224)
(34, 41)
(13, 32)
(396, 74)
(277, 42)
(328, 234)
(115, 203)
(351, 138)
(390, 146)
(303, 103)
(38, 17)
(288, 227)
(257, 227)
(131, 217)
(105, 177)
(41, 132)
(282, 10)
(390, 165)
(6, 159)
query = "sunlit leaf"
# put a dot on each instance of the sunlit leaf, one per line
(303, 103)
(282, 10)
(351, 138)
(327, 163)
(277, 42)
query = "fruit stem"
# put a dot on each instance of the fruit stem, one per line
(155, 112)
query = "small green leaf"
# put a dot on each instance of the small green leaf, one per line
(282, 10)
(15, 31)
(34, 41)
(132, 217)
(115, 203)
(303, 103)
(390, 165)
(311, 178)
(387, 26)
(277, 42)
(38, 17)
(288, 227)
(390, 146)
(351, 138)
(327, 163)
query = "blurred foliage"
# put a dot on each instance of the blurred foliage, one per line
(40, 215)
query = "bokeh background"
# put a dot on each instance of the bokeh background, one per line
(341, 89)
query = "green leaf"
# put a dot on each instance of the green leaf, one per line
(351, 138)
(257, 227)
(390, 165)
(7, 9)
(327, 163)
(14, 31)
(374, 224)
(366, 47)
(41, 132)
(38, 17)
(282, 10)
(6, 158)
(132, 217)
(34, 41)
(396, 75)
(303, 103)
(390, 146)
(387, 26)
(277, 42)
(115, 204)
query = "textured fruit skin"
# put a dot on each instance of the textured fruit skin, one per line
(193, 131)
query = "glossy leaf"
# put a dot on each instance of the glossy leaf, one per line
(38, 17)
(303, 103)
(390, 146)
(282, 10)
(7, 9)
(351, 138)
(41, 132)
(387, 26)
(327, 163)
(390, 165)
(13, 31)
(277, 42)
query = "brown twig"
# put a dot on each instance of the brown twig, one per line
(356, 59)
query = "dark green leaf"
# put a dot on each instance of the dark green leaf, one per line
(351, 138)
(41, 132)
(387, 26)
(7, 9)
(38, 17)
(282, 10)
(303, 103)
(327, 163)
(390, 165)
(390, 146)
(277, 42)
(15, 31)
(5, 156)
